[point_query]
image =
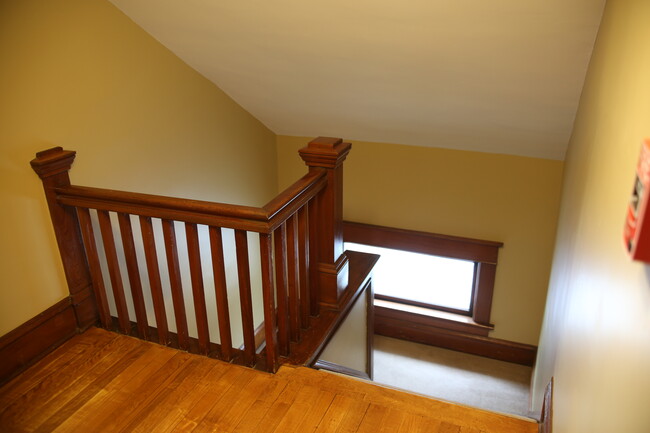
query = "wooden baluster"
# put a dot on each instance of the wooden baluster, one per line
(292, 275)
(126, 232)
(171, 250)
(106, 230)
(153, 271)
(95, 269)
(280, 236)
(246, 303)
(198, 293)
(314, 298)
(221, 292)
(268, 301)
(303, 263)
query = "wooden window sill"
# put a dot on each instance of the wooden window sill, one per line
(429, 317)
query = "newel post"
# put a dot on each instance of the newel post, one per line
(52, 167)
(329, 153)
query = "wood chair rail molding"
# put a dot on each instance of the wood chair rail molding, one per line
(303, 266)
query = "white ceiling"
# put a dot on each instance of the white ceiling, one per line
(500, 76)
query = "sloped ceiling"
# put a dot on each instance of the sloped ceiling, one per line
(501, 76)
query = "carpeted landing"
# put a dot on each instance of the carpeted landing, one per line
(453, 376)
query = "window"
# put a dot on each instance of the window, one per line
(436, 272)
(421, 279)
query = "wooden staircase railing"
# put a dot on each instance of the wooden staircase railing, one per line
(302, 263)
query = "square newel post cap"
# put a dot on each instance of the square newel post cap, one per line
(52, 161)
(327, 152)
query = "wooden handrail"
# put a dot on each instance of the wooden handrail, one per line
(260, 220)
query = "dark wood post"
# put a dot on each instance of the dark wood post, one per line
(52, 167)
(329, 153)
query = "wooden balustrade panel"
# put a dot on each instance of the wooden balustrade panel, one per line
(303, 266)
(126, 232)
(114, 273)
(171, 251)
(314, 299)
(198, 291)
(279, 240)
(221, 292)
(270, 334)
(246, 303)
(95, 269)
(293, 277)
(153, 271)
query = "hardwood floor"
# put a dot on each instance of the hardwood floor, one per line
(102, 381)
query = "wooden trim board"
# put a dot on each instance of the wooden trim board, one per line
(36, 338)
(341, 369)
(414, 329)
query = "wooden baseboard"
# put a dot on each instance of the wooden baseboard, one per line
(341, 369)
(415, 330)
(36, 338)
(546, 422)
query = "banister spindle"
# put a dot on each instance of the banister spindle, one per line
(106, 229)
(270, 334)
(313, 271)
(171, 251)
(198, 293)
(153, 270)
(292, 277)
(279, 240)
(303, 264)
(245, 301)
(95, 268)
(221, 292)
(126, 231)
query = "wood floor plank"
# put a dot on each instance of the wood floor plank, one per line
(237, 392)
(392, 421)
(252, 418)
(150, 385)
(372, 419)
(61, 358)
(469, 430)
(211, 397)
(55, 391)
(427, 425)
(102, 381)
(197, 387)
(353, 416)
(411, 423)
(308, 400)
(79, 397)
(264, 385)
(338, 412)
(96, 412)
(446, 427)
(278, 408)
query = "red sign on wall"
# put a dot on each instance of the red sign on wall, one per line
(637, 224)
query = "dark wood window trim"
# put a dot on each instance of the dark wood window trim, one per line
(483, 253)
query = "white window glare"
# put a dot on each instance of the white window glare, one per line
(421, 278)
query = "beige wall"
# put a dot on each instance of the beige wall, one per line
(596, 335)
(487, 196)
(80, 74)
